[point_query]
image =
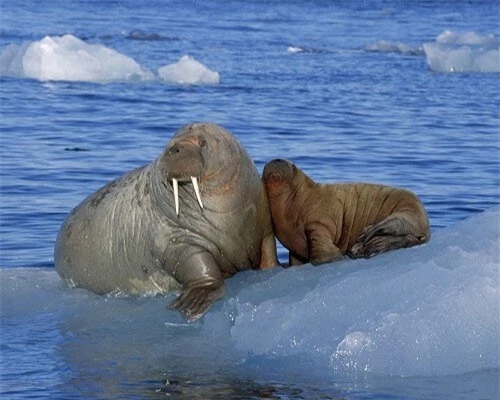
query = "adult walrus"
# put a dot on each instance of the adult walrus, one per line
(320, 223)
(195, 215)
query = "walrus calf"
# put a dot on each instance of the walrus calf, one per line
(320, 223)
(195, 215)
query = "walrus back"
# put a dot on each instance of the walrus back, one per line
(363, 204)
(100, 246)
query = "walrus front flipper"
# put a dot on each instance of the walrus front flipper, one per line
(202, 284)
(320, 244)
(268, 254)
(195, 301)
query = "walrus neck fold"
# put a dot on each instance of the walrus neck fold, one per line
(161, 189)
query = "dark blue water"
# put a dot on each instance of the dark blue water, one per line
(339, 111)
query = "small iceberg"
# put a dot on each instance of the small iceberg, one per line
(188, 71)
(67, 58)
(463, 52)
(384, 46)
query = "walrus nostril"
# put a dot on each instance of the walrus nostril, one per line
(174, 149)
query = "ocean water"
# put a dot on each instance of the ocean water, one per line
(401, 93)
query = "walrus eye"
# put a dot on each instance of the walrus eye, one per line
(203, 143)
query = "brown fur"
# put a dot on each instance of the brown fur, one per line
(321, 223)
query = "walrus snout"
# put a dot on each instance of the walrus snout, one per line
(184, 162)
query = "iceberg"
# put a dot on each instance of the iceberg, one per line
(67, 58)
(463, 52)
(427, 311)
(188, 71)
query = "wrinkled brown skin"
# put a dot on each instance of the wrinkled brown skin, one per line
(321, 223)
(127, 237)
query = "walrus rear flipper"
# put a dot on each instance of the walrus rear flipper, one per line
(381, 244)
(394, 232)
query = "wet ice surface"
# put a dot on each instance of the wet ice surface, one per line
(428, 311)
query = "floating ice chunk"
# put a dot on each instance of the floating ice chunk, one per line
(188, 71)
(68, 58)
(383, 46)
(430, 310)
(306, 49)
(463, 52)
(426, 311)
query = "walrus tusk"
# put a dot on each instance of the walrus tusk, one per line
(176, 195)
(197, 190)
(175, 184)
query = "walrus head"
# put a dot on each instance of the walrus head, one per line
(283, 178)
(196, 154)
(277, 173)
